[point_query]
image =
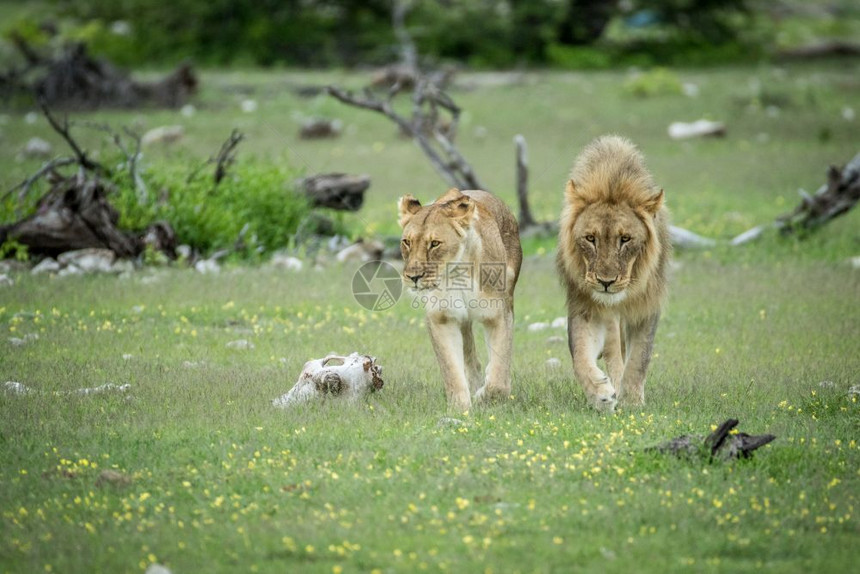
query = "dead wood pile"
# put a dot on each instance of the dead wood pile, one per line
(73, 79)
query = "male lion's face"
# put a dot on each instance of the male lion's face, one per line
(432, 237)
(609, 238)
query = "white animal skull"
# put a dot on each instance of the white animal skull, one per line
(335, 376)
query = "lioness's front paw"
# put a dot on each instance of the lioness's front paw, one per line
(491, 394)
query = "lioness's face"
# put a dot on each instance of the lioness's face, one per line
(609, 238)
(432, 237)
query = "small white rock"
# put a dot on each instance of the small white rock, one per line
(555, 339)
(848, 114)
(240, 344)
(683, 130)
(120, 28)
(690, 90)
(187, 110)
(539, 326)
(47, 265)
(89, 260)
(855, 262)
(163, 135)
(183, 251)
(449, 422)
(37, 147)
(121, 266)
(288, 262)
(15, 388)
(559, 323)
(157, 569)
(31, 118)
(553, 363)
(6, 281)
(70, 270)
(207, 266)
(127, 356)
(248, 106)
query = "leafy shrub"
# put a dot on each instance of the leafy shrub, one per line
(656, 82)
(254, 194)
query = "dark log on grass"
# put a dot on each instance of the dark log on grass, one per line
(724, 443)
(826, 49)
(72, 79)
(74, 214)
(836, 197)
(339, 191)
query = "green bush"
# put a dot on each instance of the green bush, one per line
(656, 82)
(208, 217)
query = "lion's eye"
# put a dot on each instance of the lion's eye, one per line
(589, 238)
(625, 239)
(434, 244)
(405, 243)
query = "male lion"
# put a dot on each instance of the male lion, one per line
(462, 258)
(613, 252)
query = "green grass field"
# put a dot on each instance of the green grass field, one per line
(220, 481)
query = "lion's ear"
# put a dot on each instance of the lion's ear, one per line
(572, 195)
(407, 206)
(450, 195)
(461, 210)
(653, 204)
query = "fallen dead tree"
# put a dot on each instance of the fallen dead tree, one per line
(837, 196)
(723, 444)
(75, 213)
(72, 79)
(339, 191)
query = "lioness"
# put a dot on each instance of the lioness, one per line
(613, 252)
(462, 258)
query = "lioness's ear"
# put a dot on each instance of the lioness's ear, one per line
(461, 210)
(653, 204)
(570, 190)
(449, 195)
(407, 206)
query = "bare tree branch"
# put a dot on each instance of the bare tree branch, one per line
(526, 219)
(227, 155)
(63, 130)
(408, 52)
(131, 157)
(46, 169)
(222, 160)
(412, 128)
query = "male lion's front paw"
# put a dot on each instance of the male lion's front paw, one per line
(633, 397)
(486, 395)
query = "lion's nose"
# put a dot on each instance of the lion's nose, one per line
(606, 283)
(415, 278)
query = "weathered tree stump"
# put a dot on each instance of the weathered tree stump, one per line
(338, 191)
(836, 197)
(72, 79)
(76, 214)
(722, 444)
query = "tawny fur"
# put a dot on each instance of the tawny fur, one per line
(613, 254)
(468, 230)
